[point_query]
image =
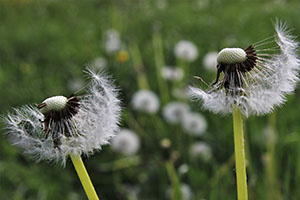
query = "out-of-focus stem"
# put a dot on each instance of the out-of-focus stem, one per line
(84, 177)
(176, 190)
(138, 65)
(239, 149)
(159, 63)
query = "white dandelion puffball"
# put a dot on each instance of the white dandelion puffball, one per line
(99, 63)
(145, 101)
(186, 50)
(201, 150)
(172, 73)
(113, 41)
(256, 79)
(126, 142)
(186, 192)
(75, 84)
(61, 126)
(210, 61)
(194, 123)
(174, 111)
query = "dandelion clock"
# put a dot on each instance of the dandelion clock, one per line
(252, 81)
(62, 126)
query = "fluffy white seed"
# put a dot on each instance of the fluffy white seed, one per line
(210, 61)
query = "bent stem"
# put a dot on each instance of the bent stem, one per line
(84, 177)
(240, 164)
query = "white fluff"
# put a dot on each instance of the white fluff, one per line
(194, 123)
(172, 73)
(210, 61)
(93, 126)
(174, 111)
(113, 41)
(265, 86)
(126, 142)
(145, 101)
(201, 150)
(186, 50)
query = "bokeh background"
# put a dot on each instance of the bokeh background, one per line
(46, 45)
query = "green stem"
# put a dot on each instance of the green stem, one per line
(139, 66)
(239, 149)
(159, 64)
(84, 177)
(176, 190)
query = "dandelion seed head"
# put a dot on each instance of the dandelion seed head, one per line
(256, 79)
(194, 123)
(174, 111)
(126, 142)
(145, 101)
(231, 56)
(186, 50)
(61, 126)
(56, 103)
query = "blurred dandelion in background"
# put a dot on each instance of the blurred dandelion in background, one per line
(210, 61)
(172, 73)
(194, 123)
(186, 50)
(75, 84)
(126, 142)
(98, 63)
(174, 111)
(145, 101)
(201, 150)
(113, 41)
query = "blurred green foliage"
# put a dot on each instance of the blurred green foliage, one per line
(45, 44)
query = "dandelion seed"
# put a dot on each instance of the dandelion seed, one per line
(172, 73)
(186, 50)
(62, 126)
(210, 61)
(126, 142)
(146, 101)
(174, 111)
(256, 79)
(201, 150)
(113, 41)
(194, 123)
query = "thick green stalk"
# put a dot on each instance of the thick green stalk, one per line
(239, 149)
(84, 177)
